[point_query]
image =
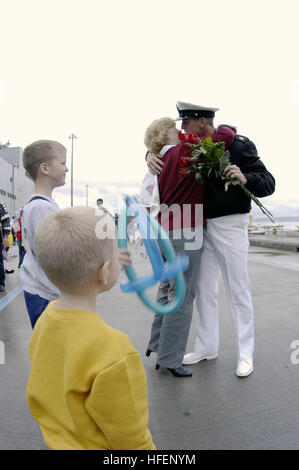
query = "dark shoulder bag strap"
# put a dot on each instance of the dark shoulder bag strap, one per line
(37, 197)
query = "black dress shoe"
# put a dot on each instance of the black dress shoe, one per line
(148, 352)
(2, 288)
(9, 271)
(178, 371)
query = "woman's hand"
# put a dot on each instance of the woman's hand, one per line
(154, 163)
(233, 171)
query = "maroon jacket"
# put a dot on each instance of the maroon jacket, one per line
(177, 192)
(184, 194)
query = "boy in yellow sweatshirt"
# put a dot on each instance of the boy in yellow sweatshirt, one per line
(87, 387)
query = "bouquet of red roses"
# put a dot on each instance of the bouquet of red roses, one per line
(207, 157)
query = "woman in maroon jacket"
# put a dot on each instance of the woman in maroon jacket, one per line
(180, 214)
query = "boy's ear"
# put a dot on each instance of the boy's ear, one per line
(103, 272)
(43, 168)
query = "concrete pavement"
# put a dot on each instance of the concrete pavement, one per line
(212, 410)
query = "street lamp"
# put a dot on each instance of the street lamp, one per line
(87, 195)
(72, 136)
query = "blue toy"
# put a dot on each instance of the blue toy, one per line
(151, 231)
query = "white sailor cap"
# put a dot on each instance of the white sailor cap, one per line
(189, 110)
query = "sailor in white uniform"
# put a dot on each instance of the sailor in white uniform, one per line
(225, 247)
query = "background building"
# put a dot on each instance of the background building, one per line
(15, 186)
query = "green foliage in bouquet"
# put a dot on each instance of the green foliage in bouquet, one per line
(208, 157)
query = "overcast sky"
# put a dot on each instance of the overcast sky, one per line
(104, 70)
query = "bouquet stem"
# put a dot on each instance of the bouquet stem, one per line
(263, 208)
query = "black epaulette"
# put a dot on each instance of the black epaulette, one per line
(241, 138)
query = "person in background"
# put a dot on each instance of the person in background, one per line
(5, 230)
(116, 218)
(20, 240)
(100, 203)
(14, 227)
(7, 268)
(100, 206)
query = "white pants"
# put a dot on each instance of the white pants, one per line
(225, 247)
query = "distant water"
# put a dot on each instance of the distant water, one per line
(282, 220)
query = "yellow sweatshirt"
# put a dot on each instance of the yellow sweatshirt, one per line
(87, 387)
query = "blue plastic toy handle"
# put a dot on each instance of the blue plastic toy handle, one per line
(151, 231)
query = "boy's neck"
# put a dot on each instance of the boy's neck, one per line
(73, 301)
(42, 187)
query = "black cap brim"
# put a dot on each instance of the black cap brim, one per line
(192, 113)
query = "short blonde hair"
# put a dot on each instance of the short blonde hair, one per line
(41, 151)
(70, 245)
(156, 134)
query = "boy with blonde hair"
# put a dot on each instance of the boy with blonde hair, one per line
(45, 163)
(87, 387)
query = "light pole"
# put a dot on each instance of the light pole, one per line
(72, 136)
(13, 189)
(87, 195)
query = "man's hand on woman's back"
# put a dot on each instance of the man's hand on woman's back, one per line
(154, 163)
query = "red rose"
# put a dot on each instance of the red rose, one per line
(185, 145)
(194, 139)
(185, 162)
(182, 136)
(183, 172)
(191, 138)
